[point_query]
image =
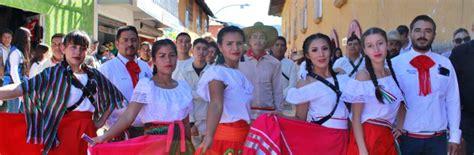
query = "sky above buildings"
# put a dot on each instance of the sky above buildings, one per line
(230, 11)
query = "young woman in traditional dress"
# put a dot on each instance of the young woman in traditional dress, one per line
(229, 94)
(59, 105)
(163, 105)
(375, 98)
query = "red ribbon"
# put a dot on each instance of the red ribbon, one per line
(134, 70)
(423, 64)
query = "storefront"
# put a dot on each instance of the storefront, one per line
(49, 16)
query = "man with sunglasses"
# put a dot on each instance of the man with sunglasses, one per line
(461, 58)
(460, 36)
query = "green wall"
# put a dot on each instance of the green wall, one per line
(60, 15)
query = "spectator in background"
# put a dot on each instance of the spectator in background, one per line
(39, 56)
(144, 53)
(337, 54)
(183, 43)
(289, 70)
(460, 36)
(94, 45)
(406, 43)
(57, 57)
(353, 61)
(103, 54)
(17, 64)
(394, 44)
(5, 47)
(212, 54)
(461, 59)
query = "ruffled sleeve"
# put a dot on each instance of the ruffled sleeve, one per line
(357, 91)
(141, 91)
(213, 73)
(304, 94)
(302, 72)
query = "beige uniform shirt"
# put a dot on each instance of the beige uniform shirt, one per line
(265, 76)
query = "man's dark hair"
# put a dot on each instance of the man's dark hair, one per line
(282, 39)
(402, 29)
(183, 34)
(353, 37)
(125, 28)
(423, 18)
(6, 30)
(200, 40)
(58, 35)
(459, 30)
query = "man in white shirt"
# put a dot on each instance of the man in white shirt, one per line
(289, 71)
(353, 61)
(191, 73)
(124, 71)
(406, 42)
(183, 45)
(57, 56)
(431, 92)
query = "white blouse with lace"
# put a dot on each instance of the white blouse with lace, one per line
(237, 92)
(160, 104)
(357, 92)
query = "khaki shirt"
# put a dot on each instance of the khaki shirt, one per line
(265, 76)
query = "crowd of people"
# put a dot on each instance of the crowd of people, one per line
(388, 93)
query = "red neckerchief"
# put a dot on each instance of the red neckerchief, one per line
(423, 64)
(250, 53)
(133, 69)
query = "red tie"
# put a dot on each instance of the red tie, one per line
(134, 70)
(423, 64)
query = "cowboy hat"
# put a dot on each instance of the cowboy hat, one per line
(271, 34)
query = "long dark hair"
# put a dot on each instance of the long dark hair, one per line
(156, 47)
(307, 42)
(369, 66)
(22, 43)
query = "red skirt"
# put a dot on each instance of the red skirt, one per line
(171, 142)
(279, 135)
(309, 138)
(72, 126)
(378, 140)
(229, 139)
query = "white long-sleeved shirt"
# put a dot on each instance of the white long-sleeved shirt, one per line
(344, 63)
(116, 72)
(290, 69)
(199, 111)
(180, 65)
(439, 110)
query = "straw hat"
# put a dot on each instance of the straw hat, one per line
(270, 33)
(394, 35)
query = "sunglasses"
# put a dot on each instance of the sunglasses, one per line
(461, 40)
